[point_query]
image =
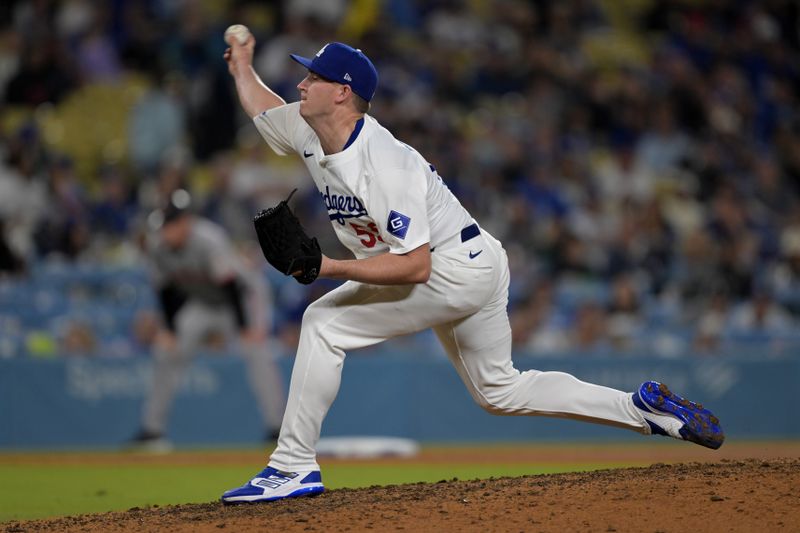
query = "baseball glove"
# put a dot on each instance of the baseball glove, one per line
(285, 244)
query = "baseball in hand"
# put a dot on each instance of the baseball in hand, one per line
(238, 32)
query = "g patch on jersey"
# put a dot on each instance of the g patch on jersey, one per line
(398, 224)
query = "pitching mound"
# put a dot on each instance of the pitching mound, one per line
(750, 495)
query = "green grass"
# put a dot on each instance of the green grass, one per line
(36, 491)
(74, 489)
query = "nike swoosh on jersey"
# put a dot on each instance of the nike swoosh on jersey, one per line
(473, 255)
(307, 155)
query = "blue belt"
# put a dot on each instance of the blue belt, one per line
(470, 232)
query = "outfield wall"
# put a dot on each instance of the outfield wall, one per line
(95, 403)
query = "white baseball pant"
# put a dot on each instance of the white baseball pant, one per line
(464, 301)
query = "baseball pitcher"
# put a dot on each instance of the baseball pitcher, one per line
(421, 261)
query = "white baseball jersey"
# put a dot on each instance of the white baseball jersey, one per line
(380, 193)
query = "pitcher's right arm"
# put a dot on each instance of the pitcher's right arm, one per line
(254, 95)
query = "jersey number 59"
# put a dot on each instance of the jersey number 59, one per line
(371, 233)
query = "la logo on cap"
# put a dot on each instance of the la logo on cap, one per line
(322, 50)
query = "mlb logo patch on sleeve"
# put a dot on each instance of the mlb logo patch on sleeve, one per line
(398, 224)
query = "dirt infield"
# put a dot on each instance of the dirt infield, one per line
(729, 495)
(611, 454)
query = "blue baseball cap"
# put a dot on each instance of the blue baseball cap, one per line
(346, 65)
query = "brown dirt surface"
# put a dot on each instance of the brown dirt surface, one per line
(610, 454)
(728, 495)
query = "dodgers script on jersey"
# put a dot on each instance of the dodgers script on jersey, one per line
(381, 195)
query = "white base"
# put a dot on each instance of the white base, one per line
(363, 447)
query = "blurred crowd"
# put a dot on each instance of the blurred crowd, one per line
(640, 160)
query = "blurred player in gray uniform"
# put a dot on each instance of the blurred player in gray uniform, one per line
(421, 261)
(205, 291)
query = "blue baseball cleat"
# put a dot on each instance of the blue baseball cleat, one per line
(668, 414)
(271, 484)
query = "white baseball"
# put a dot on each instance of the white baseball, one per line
(238, 32)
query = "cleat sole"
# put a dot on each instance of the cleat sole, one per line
(303, 492)
(699, 424)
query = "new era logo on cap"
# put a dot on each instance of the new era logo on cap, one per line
(344, 64)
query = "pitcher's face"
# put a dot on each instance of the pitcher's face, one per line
(317, 95)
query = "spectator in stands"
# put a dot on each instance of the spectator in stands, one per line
(624, 316)
(589, 333)
(783, 278)
(760, 318)
(42, 75)
(11, 263)
(205, 292)
(77, 340)
(711, 325)
(157, 121)
(663, 147)
(96, 55)
(694, 273)
(192, 48)
(533, 321)
(113, 212)
(225, 208)
(23, 188)
(62, 230)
